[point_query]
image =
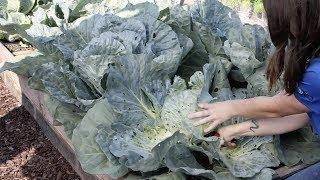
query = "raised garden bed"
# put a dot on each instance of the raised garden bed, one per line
(33, 101)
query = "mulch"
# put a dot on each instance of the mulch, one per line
(25, 152)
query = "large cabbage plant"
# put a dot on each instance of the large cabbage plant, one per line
(121, 78)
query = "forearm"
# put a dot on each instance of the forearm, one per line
(280, 105)
(255, 108)
(273, 126)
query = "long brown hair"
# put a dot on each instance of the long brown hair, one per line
(294, 27)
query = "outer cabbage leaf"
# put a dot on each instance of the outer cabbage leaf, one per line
(163, 4)
(94, 69)
(83, 92)
(142, 8)
(18, 18)
(93, 160)
(65, 114)
(175, 112)
(45, 14)
(265, 174)
(254, 37)
(298, 146)
(180, 102)
(221, 19)
(258, 84)
(25, 66)
(165, 176)
(52, 104)
(179, 20)
(10, 5)
(242, 57)
(83, 30)
(138, 115)
(57, 84)
(220, 86)
(12, 19)
(124, 9)
(69, 10)
(141, 127)
(205, 41)
(43, 38)
(247, 159)
(26, 6)
(65, 86)
(180, 159)
(209, 74)
(126, 93)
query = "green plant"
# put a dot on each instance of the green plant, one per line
(122, 82)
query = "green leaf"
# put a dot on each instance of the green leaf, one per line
(258, 84)
(242, 57)
(57, 84)
(254, 37)
(10, 5)
(140, 9)
(93, 160)
(247, 159)
(82, 31)
(210, 40)
(44, 38)
(180, 159)
(18, 18)
(298, 146)
(70, 116)
(168, 176)
(25, 66)
(26, 6)
(64, 114)
(221, 19)
(265, 174)
(52, 104)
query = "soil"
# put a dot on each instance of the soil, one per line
(25, 152)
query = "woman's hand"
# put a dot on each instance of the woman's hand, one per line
(214, 114)
(262, 127)
(280, 105)
(227, 134)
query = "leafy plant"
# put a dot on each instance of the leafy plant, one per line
(122, 80)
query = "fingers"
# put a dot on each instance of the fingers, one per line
(230, 144)
(204, 105)
(227, 143)
(212, 126)
(199, 114)
(203, 121)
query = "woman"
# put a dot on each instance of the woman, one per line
(294, 27)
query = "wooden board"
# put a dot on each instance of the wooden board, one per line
(284, 172)
(10, 77)
(33, 101)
